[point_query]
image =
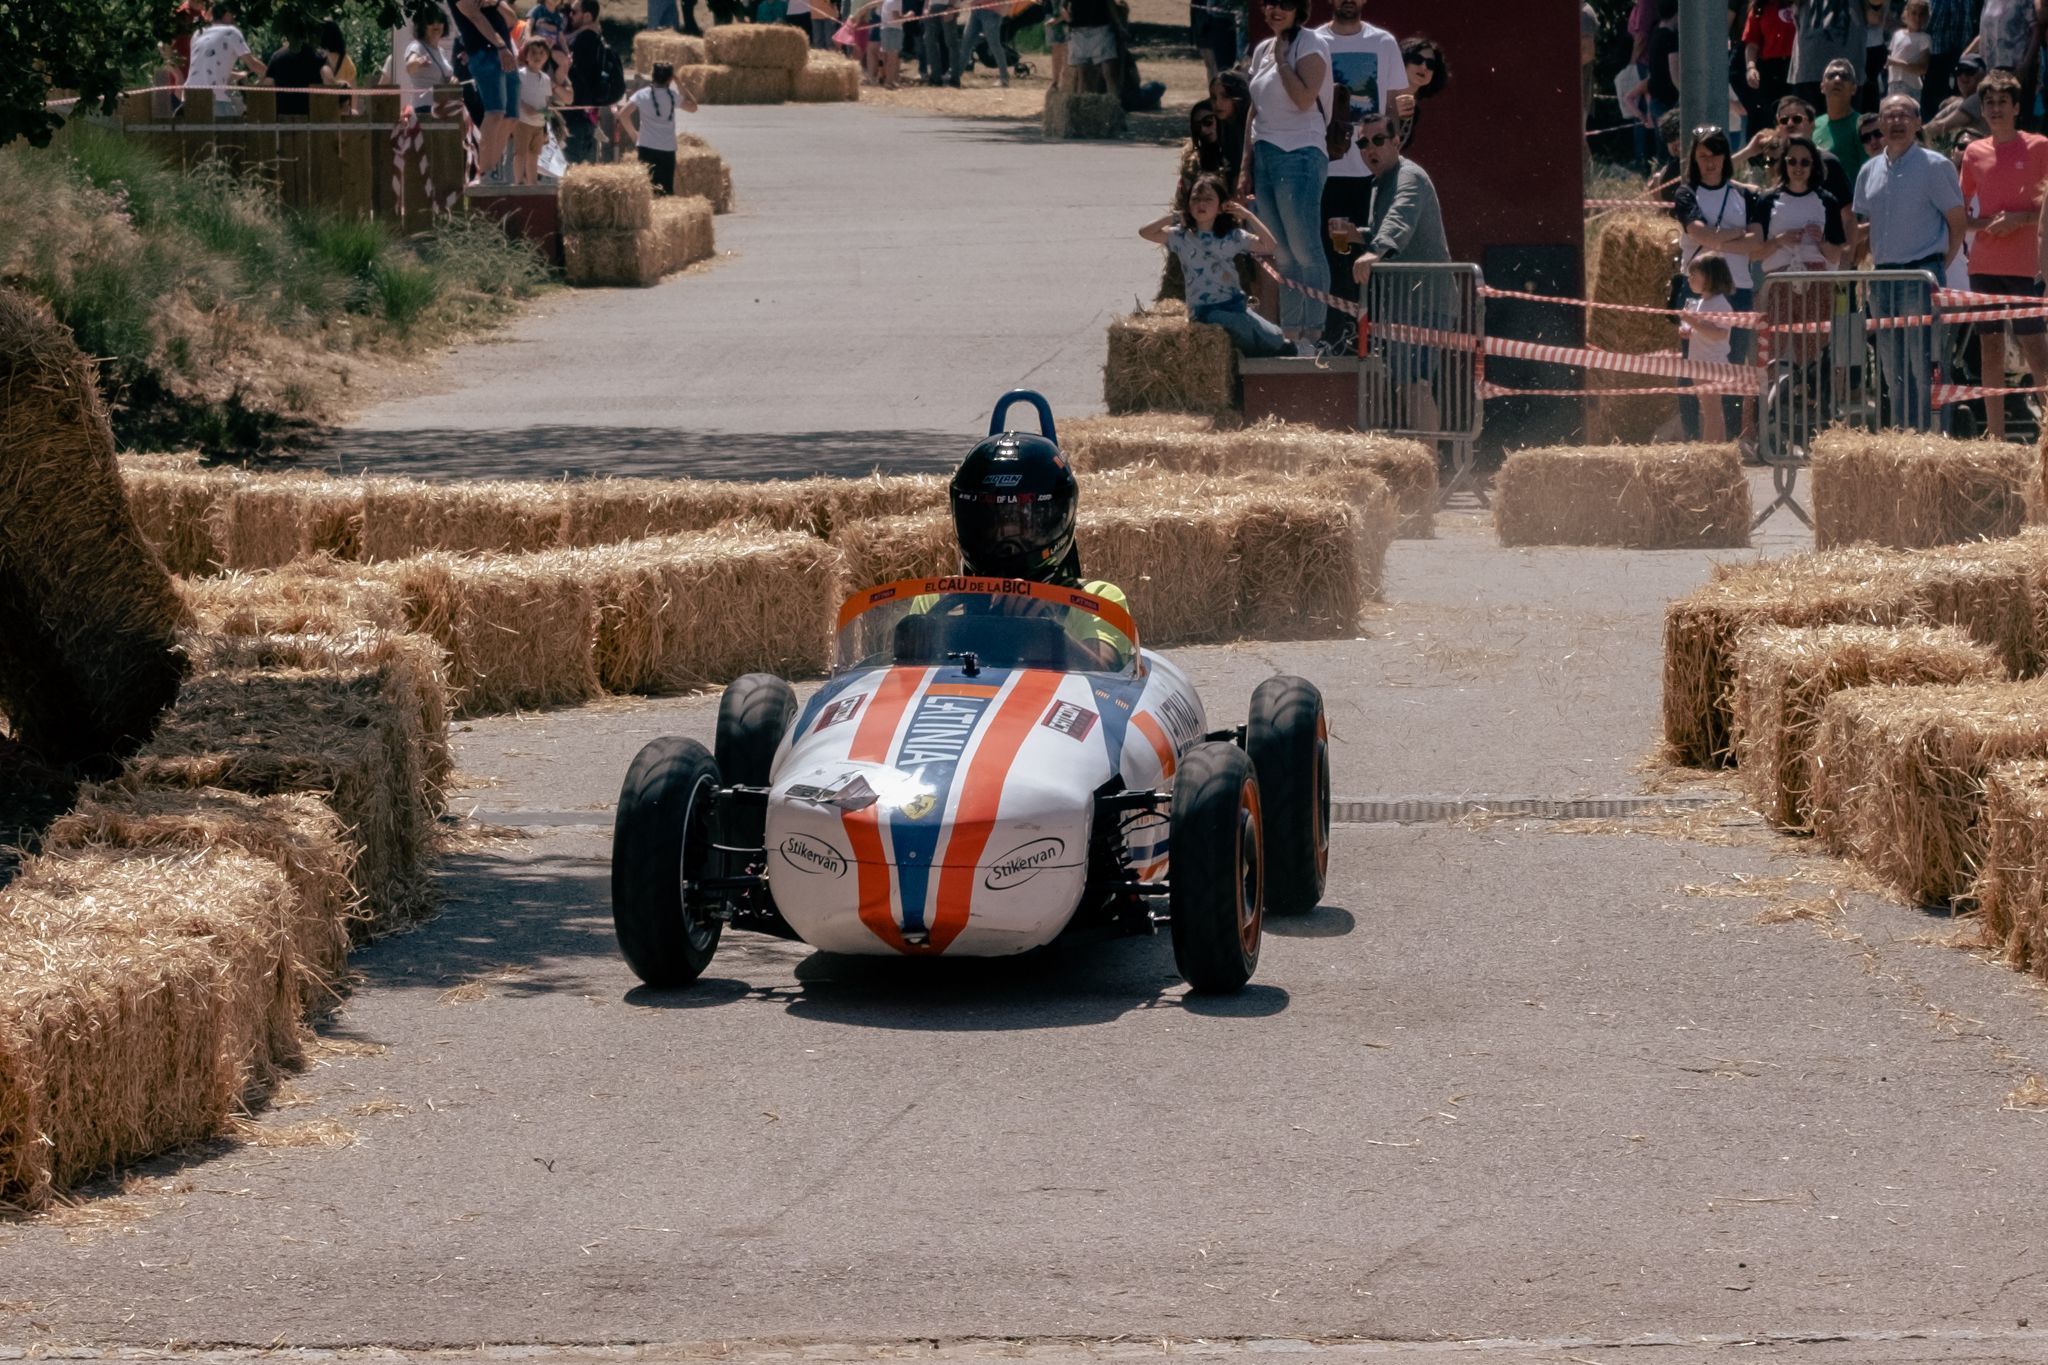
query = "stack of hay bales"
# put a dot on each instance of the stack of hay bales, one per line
(1184, 444)
(701, 172)
(1638, 497)
(1630, 259)
(2012, 887)
(88, 614)
(608, 233)
(826, 79)
(1161, 362)
(1898, 774)
(1909, 491)
(1784, 675)
(1077, 114)
(177, 509)
(748, 64)
(655, 46)
(403, 518)
(1994, 603)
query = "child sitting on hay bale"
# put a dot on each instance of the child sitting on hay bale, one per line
(1207, 240)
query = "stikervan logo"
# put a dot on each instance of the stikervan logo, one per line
(813, 855)
(1023, 863)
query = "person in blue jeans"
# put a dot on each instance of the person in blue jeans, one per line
(1208, 239)
(1287, 159)
(1912, 201)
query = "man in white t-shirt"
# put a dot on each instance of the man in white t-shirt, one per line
(217, 50)
(1366, 61)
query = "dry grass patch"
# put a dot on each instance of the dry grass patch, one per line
(1899, 773)
(1637, 497)
(1908, 491)
(1783, 675)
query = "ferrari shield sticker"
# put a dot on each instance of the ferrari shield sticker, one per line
(1075, 722)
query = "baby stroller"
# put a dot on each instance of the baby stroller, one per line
(1018, 18)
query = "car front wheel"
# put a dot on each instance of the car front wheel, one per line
(1216, 880)
(662, 840)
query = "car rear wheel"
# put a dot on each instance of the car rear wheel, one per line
(753, 715)
(1289, 743)
(662, 840)
(1216, 882)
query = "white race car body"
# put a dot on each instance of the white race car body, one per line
(920, 808)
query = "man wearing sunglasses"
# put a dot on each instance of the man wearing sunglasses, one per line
(2003, 177)
(1795, 119)
(1912, 200)
(1405, 225)
(1836, 132)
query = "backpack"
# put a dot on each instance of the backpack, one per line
(611, 77)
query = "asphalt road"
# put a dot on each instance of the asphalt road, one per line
(1650, 1089)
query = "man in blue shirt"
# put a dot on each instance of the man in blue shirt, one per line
(1912, 202)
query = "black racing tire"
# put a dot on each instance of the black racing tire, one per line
(1216, 879)
(754, 714)
(1289, 743)
(663, 836)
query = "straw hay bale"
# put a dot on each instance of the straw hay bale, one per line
(414, 665)
(1301, 566)
(313, 596)
(1079, 114)
(615, 197)
(350, 735)
(687, 612)
(615, 260)
(2012, 890)
(1159, 361)
(702, 173)
(269, 520)
(1630, 259)
(177, 512)
(725, 84)
(1907, 490)
(1177, 564)
(299, 834)
(1992, 603)
(884, 549)
(88, 616)
(403, 517)
(141, 989)
(519, 630)
(1898, 776)
(1784, 674)
(652, 46)
(175, 461)
(1641, 497)
(1170, 440)
(684, 224)
(772, 47)
(826, 79)
(837, 502)
(608, 511)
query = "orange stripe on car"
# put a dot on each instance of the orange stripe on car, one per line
(863, 827)
(963, 689)
(1161, 745)
(974, 817)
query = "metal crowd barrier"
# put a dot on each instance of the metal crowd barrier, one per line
(1422, 333)
(1855, 348)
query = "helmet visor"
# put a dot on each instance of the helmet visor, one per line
(1011, 534)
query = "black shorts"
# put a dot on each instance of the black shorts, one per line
(2012, 286)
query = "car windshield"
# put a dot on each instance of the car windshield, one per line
(978, 623)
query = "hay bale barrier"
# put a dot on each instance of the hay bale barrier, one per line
(403, 518)
(1075, 114)
(1175, 559)
(1301, 573)
(826, 79)
(615, 260)
(767, 47)
(268, 521)
(702, 174)
(617, 197)
(1161, 362)
(718, 83)
(177, 511)
(1908, 491)
(1630, 258)
(88, 613)
(654, 46)
(1994, 604)
(1899, 774)
(2012, 889)
(519, 630)
(1783, 676)
(684, 225)
(1633, 497)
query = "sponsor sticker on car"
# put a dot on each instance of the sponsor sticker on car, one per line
(1023, 863)
(808, 853)
(1075, 722)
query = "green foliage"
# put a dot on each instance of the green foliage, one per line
(404, 293)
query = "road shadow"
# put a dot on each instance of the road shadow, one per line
(1060, 987)
(553, 452)
(1325, 921)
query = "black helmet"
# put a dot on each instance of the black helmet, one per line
(1013, 501)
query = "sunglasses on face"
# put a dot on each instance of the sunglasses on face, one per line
(1791, 121)
(1800, 164)
(1873, 136)
(1376, 140)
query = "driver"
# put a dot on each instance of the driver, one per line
(1013, 510)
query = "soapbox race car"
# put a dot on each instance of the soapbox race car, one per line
(976, 779)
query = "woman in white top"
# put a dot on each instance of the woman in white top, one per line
(425, 63)
(1286, 161)
(648, 116)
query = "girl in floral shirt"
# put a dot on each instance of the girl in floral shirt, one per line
(1208, 239)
